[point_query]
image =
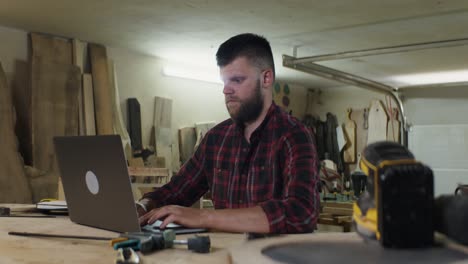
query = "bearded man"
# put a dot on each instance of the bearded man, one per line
(260, 166)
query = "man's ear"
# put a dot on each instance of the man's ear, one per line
(268, 78)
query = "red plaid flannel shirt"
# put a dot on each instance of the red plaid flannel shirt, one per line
(276, 171)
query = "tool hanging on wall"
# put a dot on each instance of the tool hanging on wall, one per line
(349, 129)
(332, 142)
(377, 122)
(393, 126)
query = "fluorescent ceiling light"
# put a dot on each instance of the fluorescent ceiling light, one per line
(199, 74)
(433, 78)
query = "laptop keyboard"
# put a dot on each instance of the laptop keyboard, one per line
(157, 223)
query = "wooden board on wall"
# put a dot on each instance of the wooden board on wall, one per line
(377, 122)
(21, 93)
(349, 129)
(88, 105)
(162, 129)
(78, 53)
(187, 140)
(119, 124)
(393, 126)
(201, 129)
(77, 60)
(359, 116)
(14, 186)
(52, 49)
(102, 89)
(54, 113)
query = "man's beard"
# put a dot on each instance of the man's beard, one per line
(249, 109)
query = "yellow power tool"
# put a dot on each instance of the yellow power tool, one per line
(397, 208)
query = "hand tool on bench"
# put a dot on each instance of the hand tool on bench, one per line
(149, 242)
(199, 244)
(127, 256)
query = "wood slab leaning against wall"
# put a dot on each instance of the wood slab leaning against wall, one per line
(14, 187)
(55, 84)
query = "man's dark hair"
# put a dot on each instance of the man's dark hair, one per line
(254, 47)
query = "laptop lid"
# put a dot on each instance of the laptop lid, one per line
(96, 182)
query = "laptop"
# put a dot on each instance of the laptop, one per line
(97, 185)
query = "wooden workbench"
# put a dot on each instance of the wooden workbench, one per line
(226, 247)
(39, 250)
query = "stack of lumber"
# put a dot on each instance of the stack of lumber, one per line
(337, 214)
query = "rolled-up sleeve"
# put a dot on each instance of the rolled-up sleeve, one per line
(298, 210)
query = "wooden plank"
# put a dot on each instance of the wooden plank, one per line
(55, 89)
(21, 94)
(359, 116)
(162, 112)
(136, 162)
(163, 130)
(187, 140)
(119, 125)
(338, 205)
(201, 129)
(349, 129)
(156, 162)
(337, 211)
(51, 48)
(393, 126)
(145, 171)
(14, 186)
(77, 60)
(78, 53)
(54, 113)
(88, 105)
(377, 122)
(343, 219)
(102, 90)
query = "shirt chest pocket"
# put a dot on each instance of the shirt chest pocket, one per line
(262, 184)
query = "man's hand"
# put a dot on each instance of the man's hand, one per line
(251, 219)
(186, 216)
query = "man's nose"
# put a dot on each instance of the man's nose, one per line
(227, 89)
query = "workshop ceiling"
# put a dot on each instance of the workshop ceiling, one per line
(191, 30)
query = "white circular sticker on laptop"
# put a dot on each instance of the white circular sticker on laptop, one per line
(92, 182)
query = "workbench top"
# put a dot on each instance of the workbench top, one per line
(42, 250)
(226, 247)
